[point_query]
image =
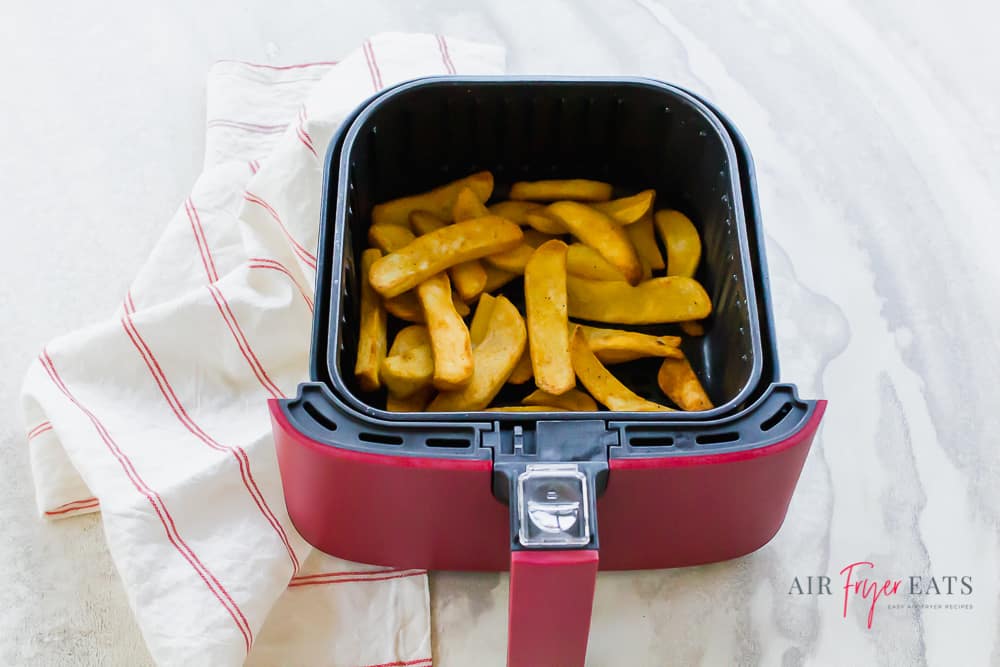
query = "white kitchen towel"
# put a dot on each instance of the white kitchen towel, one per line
(156, 416)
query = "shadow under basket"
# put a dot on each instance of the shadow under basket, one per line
(527, 491)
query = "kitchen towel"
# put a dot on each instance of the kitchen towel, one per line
(156, 416)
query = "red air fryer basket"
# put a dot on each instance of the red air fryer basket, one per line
(551, 496)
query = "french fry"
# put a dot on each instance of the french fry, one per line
(544, 222)
(642, 237)
(574, 399)
(468, 206)
(450, 343)
(480, 325)
(389, 238)
(627, 210)
(515, 211)
(432, 253)
(495, 358)
(615, 346)
(416, 402)
(497, 278)
(574, 189)
(526, 408)
(438, 201)
(407, 307)
(682, 242)
(516, 259)
(469, 278)
(601, 384)
(372, 332)
(693, 328)
(545, 307)
(409, 366)
(669, 299)
(602, 234)
(678, 381)
(522, 371)
(585, 262)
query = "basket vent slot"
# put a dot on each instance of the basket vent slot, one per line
(716, 438)
(380, 438)
(652, 441)
(454, 443)
(776, 418)
(319, 417)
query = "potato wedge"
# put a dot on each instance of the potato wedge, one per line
(468, 206)
(480, 324)
(602, 234)
(441, 249)
(682, 242)
(693, 328)
(416, 402)
(389, 238)
(450, 343)
(439, 201)
(548, 323)
(545, 222)
(497, 278)
(669, 299)
(409, 366)
(407, 307)
(574, 399)
(516, 259)
(680, 383)
(615, 346)
(469, 278)
(522, 371)
(601, 384)
(585, 262)
(644, 239)
(515, 211)
(527, 408)
(495, 358)
(627, 210)
(372, 331)
(574, 189)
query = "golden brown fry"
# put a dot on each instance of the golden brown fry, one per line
(480, 325)
(627, 210)
(468, 206)
(469, 278)
(389, 238)
(585, 262)
(526, 408)
(693, 328)
(409, 365)
(678, 381)
(574, 400)
(544, 222)
(515, 211)
(642, 237)
(441, 249)
(670, 299)
(438, 201)
(602, 234)
(372, 332)
(615, 346)
(548, 323)
(407, 307)
(574, 189)
(522, 371)
(495, 358)
(450, 343)
(516, 259)
(681, 241)
(416, 402)
(601, 384)
(497, 278)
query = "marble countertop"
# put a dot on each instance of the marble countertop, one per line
(876, 131)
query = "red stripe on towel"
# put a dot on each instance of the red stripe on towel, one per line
(303, 254)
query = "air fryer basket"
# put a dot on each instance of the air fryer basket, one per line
(634, 133)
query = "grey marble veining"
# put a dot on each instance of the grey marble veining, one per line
(876, 131)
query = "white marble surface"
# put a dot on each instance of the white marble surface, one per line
(875, 130)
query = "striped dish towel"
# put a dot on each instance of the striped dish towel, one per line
(156, 416)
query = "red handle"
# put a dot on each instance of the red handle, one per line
(551, 597)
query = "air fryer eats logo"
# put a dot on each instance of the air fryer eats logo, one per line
(860, 584)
